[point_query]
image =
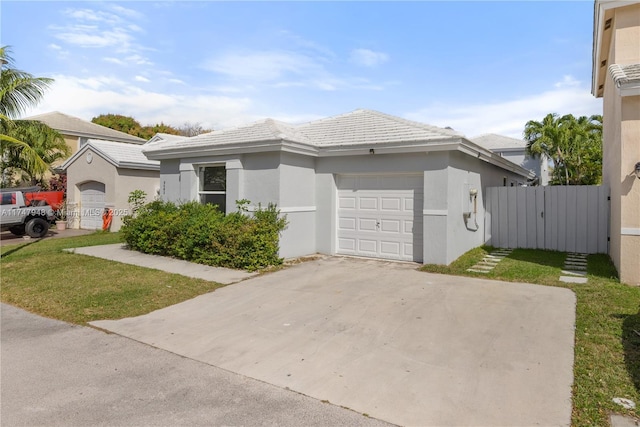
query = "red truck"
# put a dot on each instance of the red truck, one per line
(34, 197)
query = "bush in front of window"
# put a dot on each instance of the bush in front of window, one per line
(201, 233)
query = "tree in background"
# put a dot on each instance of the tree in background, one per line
(192, 129)
(573, 144)
(19, 91)
(131, 126)
(46, 142)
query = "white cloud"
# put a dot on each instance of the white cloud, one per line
(262, 66)
(567, 81)
(141, 79)
(55, 46)
(89, 97)
(509, 117)
(91, 36)
(113, 60)
(113, 29)
(368, 58)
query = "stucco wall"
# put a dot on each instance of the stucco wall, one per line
(80, 172)
(126, 181)
(621, 150)
(304, 188)
(118, 184)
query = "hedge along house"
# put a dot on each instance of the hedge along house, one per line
(362, 183)
(103, 174)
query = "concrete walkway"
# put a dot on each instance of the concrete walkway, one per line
(381, 338)
(57, 374)
(119, 252)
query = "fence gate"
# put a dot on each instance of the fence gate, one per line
(563, 218)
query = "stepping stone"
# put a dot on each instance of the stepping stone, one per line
(477, 271)
(584, 264)
(573, 279)
(575, 272)
(576, 267)
(576, 259)
(483, 267)
(498, 258)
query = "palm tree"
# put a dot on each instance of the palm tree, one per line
(574, 146)
(28, 156)
(19, 90)
(49, 145)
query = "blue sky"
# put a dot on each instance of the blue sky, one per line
(478, 66)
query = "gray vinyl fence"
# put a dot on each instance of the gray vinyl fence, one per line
(562, 218)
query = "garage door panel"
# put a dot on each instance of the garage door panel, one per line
(407, 227)
(347, 223)
(368, 246)
(345, 202)
(368, 203)
(390, 249)
(391, 203)
(346, 244)
(367, 224)
(390, 226)
(408, 204)
(385, 208)
(408, 249)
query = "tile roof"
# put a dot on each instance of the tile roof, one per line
(371, 127)
(622, 74)
(354, 128)
(495, 142)
(75, 126)
(118, 153)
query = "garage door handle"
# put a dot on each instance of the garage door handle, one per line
(377, 224)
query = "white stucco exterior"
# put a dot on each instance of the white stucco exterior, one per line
(301, 177)
(109, 171)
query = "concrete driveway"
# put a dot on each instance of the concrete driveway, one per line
(57, 374)
(383, 339)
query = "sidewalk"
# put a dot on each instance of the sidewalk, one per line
(118, 252)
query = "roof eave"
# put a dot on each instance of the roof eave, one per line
(82, 151)
(473, 149)
(138, 166)
(174, 152)
(598, 72)
(101, 137)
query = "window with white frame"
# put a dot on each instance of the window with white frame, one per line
(213, 186)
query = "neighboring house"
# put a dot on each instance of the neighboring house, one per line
(102, 174)
(515, 150)
(166, 137)
(362, 183)
(616, 78)
(77, 131)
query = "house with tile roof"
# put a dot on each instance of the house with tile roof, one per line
(101, 175)
(77, 131)
(515, 150)
(362, 183)
(616, 79)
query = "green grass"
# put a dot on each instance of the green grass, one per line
(40, 277)
(607, 348)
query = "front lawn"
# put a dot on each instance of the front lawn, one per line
(607, 346)
(40, 277)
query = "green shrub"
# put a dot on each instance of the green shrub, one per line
(202, 234)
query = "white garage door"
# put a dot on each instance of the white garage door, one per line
(92, 199)
(380, 216)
